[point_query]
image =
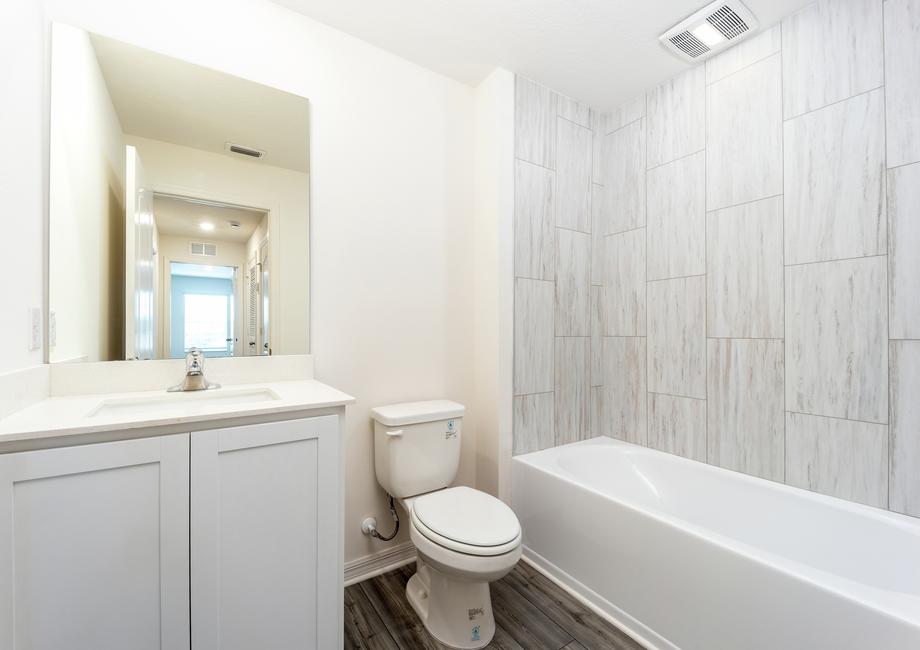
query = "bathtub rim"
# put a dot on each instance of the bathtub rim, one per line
(738, 548)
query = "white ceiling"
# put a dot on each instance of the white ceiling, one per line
(166, 99)
(601, 52)
(183, 218)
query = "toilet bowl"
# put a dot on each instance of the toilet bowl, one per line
(464, 538)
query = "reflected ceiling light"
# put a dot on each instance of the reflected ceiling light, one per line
(206, 226)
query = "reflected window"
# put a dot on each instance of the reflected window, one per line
(207, 325)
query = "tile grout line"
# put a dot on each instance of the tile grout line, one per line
(835, 417)
(833, 103)
(839, 259)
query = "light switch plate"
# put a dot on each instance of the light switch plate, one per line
(35, 336)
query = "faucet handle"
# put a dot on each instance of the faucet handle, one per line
(194, 361)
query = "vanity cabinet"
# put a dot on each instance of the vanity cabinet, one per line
(94, 546)
(219, 539)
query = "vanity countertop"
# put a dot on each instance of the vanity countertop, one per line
(161, 412)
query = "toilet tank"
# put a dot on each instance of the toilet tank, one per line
(417, 446)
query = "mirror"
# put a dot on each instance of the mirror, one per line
(179, 208)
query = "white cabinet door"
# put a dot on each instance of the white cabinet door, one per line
(266, 568)
(94, 547)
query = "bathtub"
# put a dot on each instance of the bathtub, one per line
(685, 555)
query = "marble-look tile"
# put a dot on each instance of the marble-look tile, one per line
(744, 135)
(904, 252)
(842, 458)
(677, 425)
(745, 406)
(533, 336)
(902, 80)
(623, 402)
(599, 122)
(534, 122)
(601, 214)
(573, 283)
(624, 180)
(677, 117)
(597, 403)
(533, 423)
(598, 327)
(744, 54)
(835, 181)
(677, 337)
(626, 113)
(832, 49)
(744, 270)
(575, 111)
(534, 227)
(624, 283)
(837, 339)
(573, 176)
(573, 389)
(905, 427)
(677, 218)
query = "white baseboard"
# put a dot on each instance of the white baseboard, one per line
(379, 562)
(597, 603)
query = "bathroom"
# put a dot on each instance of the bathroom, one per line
(422, 325)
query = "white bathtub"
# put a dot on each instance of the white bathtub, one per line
(685, 555)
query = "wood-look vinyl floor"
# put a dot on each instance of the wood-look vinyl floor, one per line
(531, 613)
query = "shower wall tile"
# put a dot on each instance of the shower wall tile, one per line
(534, 228)
(902, 89)
(676, 117)
(744, 135)
(904, 251)
(832, 50)
(624, 181)
(837, 339)
(745, 406)
(677, 425)
(573, 176)
(533, 423)
(905, 427)
(744, 270)
(627, 113)
(744, 54)
(598, 327)
(677, 218)
(599, 126)
(572, 389)
(535, 108)
(601, 216)
(623, 395)
(573, 283)
(842, 458)
(835, 181)
(533, 336)
(575, 111)
(677, 337)
(624, 283)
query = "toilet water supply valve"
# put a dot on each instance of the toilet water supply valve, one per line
(369, 525)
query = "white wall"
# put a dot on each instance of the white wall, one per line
(22, 130)
(193, 172)
(86, 247)
(493, 280)
(392, 166)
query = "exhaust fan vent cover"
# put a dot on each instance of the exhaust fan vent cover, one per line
(243, 151)
(714, 28)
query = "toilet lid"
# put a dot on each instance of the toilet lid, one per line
(467, 516)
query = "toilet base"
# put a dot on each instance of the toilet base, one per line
(455, 612)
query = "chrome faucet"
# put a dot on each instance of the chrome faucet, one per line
(194, 374)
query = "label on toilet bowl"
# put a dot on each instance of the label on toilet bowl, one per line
(476, 613)
(474, 636)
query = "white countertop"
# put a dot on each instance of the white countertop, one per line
(56, 417)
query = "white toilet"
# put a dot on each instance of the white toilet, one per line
(464, 538)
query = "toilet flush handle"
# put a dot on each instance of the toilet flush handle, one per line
(395, 434)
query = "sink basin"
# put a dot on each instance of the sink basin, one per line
(181, 403)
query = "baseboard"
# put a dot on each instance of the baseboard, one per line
(597, 603)
(379, 562)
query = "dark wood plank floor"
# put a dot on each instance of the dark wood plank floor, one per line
(530, 613)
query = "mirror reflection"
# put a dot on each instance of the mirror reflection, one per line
(179, 211)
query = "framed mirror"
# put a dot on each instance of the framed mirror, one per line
(179, 208)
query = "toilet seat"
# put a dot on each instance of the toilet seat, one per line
(466, 521)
